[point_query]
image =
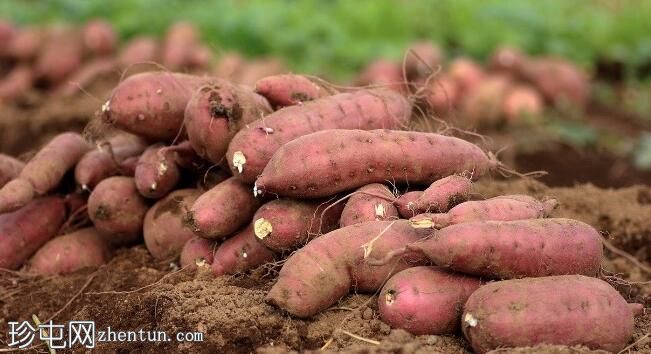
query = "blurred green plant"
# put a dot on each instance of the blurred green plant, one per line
(337, 37)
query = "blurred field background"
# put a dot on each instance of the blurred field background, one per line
(338, 37)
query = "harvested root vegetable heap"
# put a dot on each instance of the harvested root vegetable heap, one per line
(331, 187)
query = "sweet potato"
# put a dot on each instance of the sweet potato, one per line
(230, 66)
(560, 81)
(197, 250)
(406, 204)
(425, 300)
(180, 41)
(151, 104)
(216, 112)
(289, 89)
(522, 101)
(222, 210)
(60, 56)
(565, 310)
(515, 249)
(252, 148)
(68, 253)
(117, 210)
(259, 68)
(287, 224)
(25, 230)
(369, 203)
(26, 44)
(99, 37)
(7, 33)
(107, 159)
(44, 171)
(10, 168)
(422, 60)
(157, 172)
(441, 95)
(506, 59)
(139, 50)
(240, 253)
(163, 229)
(87, 75)
(383, 73)
(466, 73)
(327, 268)
(18, 81)
(444, 194)
(502, 208)
(340, 160)
(483, 106)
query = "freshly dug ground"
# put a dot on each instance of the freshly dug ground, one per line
(136, 292)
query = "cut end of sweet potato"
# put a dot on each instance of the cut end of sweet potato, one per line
(470, 320)
(421, 223)
(262, 228)
(239, 160)
(390, 297)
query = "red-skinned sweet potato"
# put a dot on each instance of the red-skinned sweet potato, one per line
(406, 204)
(425, 300)
(240, 253)
(158, 171)
(26, 44)
(151, 104)
(422, 60)
(259, 68)
(506, 59)
(289, 89)
(197, 250)
(340, 160)
(216, 112)
(68, 253)
(180, 42)
(287, 224)
(25, 230)
(139, 50)
(18, 81)
(383, 73)
(86, 75)
(466, 73)
(99, 38)
(61, 55)
(163, 229)
(117, 210)
(222, 210)
(369, 203)
(501, 208)
(441, 95)
(253, 147)
(483, 106)
(522, 101)
(560, 81)
(230, 66)
(10, 168)
(7, 33)
(566, 310)
(327, 268)
(444, 194)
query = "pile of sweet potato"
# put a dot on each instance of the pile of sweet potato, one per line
(223, 175)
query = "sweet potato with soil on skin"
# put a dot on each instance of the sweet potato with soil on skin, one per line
(441, 95)
(44, 171)
(139, 50)
(158, 170)
(466, 73)
(107, 159)
(151, 104)
(240, 253)
(341, 160)
(406, 204)
(216, 112)
(163, 229)
(444, 194)
(222, 210)
(330, 266)
(61, 55)
(26, 44)
(560, 81)
(197, 250)
(99, 38)
(566, 310)
(422, 60)
(10, 168)
(373, 202)
(522, 101)
(501, 208)
(383, 73)
(483, 106)
(180, 42)
(425, 300)
(16, 83)
(25, 230)
(253, 147)
(515, 249)
(87, 75)
(289, 89)
(287, 224)
(117, 210)
(68, 253)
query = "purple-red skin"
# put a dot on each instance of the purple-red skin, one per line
(195, 250)
(157, 172)
(383, 73)
(406, 204)
(7, 33)
(570, 310)
(444, 194)
(363, 109)
(422, 60)
(25, 230)
(516, 249)
(240, 253)
(329, 267)
(151, 104)
(10, 168)
(373, 202)
(425, 300)
(26, 44)
(68, 253)
(288, 224)
(288, 89)
(181, 40)
(15, 83)
(222, 210)
(216, 112)
(117, 210)
(86, 75)
(501, 208)
(60, 56)
(164, 230)
(139, 50)
(99, 38)
(341, 160)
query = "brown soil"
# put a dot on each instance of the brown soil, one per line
(231, 313)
